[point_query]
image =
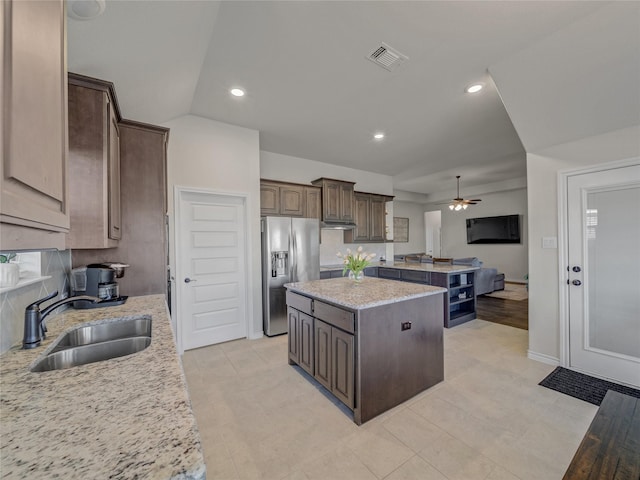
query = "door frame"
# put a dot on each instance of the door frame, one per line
(178, 191)
(563, 250)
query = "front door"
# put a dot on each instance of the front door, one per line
(604, 273)
(211, 252)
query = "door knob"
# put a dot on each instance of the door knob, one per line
(577, 283)
(576, 269)
(189, 280)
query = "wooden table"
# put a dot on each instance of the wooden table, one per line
(611, 447)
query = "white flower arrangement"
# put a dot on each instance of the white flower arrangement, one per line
(355, 261)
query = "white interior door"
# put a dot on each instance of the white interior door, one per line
(432, 224)
(211, 255)
(604, 273)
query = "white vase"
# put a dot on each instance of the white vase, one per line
(9, 274)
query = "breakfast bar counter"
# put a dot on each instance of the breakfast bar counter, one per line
(127, 417)
(373, 344)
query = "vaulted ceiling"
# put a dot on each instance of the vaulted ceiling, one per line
(311, 91)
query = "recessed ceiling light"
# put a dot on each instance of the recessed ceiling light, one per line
(475, 88)
(379, 136)
(237, 92)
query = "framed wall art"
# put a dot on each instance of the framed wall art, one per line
(400, 229)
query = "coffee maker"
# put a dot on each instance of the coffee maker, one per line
(98, 280)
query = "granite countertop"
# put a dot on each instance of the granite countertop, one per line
(369, 292)
(430, 267)
(423, 267)
(127, 417)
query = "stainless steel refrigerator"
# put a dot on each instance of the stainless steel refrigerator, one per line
(290, 253)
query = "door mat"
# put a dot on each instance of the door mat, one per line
(583, 387)
(512, 291)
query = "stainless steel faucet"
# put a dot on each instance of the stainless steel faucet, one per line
(35, 328)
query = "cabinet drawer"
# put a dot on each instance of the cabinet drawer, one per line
(371, 272)
(334, 316)
(415, 276)
(299, 302)
(389, 273)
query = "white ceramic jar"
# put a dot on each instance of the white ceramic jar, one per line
(9, 274)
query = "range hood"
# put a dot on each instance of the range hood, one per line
(337, 226)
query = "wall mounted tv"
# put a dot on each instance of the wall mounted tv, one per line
(503, 229)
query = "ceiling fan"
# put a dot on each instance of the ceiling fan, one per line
(459, 203)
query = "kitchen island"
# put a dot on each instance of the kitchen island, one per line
(373, 344)
(127, 417)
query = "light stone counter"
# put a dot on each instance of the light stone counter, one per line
(127, 417)
(369, 292)
(421, 267)
(430, 267)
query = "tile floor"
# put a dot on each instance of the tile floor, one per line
(260, 418)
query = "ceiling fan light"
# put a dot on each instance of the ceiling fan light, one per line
(451, 207)
(465, 206)
(458, 207)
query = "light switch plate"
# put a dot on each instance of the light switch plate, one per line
(549, 242)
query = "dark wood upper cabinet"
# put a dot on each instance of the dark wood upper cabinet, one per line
(269, 198)
(292, 200)
(313, 199)
(94, 164)
(289, 199)
(370, 219)
(337, 200)
(33, 171)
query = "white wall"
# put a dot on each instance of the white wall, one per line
(54, 263)
(415, 213)
(223, 158)
(274, 166)
(544, 279)
(510, 259)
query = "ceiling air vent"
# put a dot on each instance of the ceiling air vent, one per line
(387, 57)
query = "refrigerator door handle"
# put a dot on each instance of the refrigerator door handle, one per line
(294, 259)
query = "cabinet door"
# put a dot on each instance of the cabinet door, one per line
(377, 218)
(313, 200)
(362, 220)
(93, 139)
(322, 342)
(347, 204)
(293, 334)
(331, 200)
(342, 366)
(269, 199)
(34, 150)
(292, 200)
(305, 327)
(113, 158)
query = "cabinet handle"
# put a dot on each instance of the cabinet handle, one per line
(116, 228)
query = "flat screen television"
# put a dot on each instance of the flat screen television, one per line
(503, 229)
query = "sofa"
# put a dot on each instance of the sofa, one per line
(486, 280)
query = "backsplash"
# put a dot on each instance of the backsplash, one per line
(333, 242)
(56, 264)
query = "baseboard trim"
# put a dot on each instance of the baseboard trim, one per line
(541, 357)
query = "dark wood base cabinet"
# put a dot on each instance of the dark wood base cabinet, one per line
(370, 359)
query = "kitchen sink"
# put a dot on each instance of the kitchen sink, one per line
(95, 343)
(95, 352)
(139, 326)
